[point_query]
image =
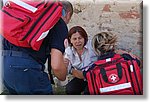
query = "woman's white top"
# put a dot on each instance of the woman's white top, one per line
(88, 57)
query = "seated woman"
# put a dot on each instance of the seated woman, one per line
(78, 56)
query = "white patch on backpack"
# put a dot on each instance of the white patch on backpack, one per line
(43, 35)
(108, 59)
(115, 87)
(25, 5)
(131, 68)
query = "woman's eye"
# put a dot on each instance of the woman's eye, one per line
(74, 38)
(80, 38)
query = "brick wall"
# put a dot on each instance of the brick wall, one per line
(122, 17)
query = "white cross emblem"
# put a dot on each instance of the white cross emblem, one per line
(113, 78)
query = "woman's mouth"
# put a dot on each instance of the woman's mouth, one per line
(79, 45)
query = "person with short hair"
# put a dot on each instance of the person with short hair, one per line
(23, 69)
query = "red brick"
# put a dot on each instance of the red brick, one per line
(107, 8)
(130, 14)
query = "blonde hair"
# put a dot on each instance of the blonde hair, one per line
(104, 42)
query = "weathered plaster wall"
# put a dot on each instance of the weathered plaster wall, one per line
(122, 17)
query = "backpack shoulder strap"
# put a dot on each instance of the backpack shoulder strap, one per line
(49, 70)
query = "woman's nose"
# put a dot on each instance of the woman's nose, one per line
(78, 40)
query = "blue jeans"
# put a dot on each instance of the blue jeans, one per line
(24, 75)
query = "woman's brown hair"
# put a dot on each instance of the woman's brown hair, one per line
(81, 31)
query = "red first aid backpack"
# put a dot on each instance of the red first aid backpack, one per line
(115, 75)
(26, 23)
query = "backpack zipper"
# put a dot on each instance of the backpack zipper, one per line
(136, 78)
(13, 16)
(42, 25)
(33, 26)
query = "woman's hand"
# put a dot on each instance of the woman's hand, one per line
(66, 62)
(77, 73)
(122, 52)
(132, 55)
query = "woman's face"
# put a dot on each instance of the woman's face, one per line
(77, 41)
